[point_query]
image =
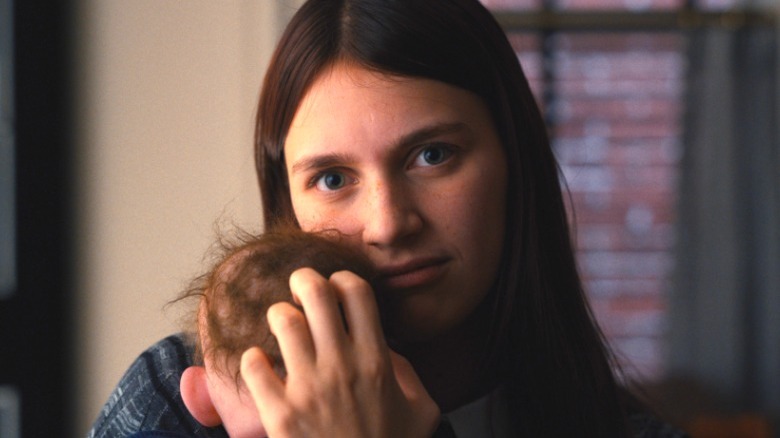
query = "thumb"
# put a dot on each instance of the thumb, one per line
(412, 387)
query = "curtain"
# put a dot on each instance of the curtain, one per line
(724, 306)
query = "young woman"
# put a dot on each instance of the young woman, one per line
(409, 127)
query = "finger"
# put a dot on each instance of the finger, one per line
(292, 333)
(360, 309)
(320, 304)
(264, 384)
(412, 387)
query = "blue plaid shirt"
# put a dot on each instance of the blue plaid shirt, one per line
(148, 397)
(147, 401)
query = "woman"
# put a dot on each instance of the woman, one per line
(409, 127)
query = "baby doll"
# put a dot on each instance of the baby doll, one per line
(234, 297)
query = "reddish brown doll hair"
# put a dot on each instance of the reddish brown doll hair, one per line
(250, 274)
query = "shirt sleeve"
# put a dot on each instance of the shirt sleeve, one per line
(646, 426)
(147, 397)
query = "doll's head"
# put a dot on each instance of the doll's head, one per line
(234, 297)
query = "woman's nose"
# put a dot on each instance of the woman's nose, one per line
(390, 214)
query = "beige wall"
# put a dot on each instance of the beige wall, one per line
(167, 90)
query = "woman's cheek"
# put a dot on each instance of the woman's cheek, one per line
(313, 219)
(306, 223)
(306, 211)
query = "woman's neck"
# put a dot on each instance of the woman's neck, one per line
(454, 367)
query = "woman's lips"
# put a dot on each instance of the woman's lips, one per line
(413, 274)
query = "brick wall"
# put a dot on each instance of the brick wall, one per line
(616, 129)
(614, 104)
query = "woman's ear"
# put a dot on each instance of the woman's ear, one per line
(195, 393)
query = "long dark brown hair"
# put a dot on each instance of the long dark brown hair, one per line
(560, 372)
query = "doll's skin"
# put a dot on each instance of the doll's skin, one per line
(216, 399)
(233, 299)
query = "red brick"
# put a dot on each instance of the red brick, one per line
(621, 108)
(606, 288)
(618, 152)
(618, 237)
(619, 41)
(625, 264)
(633, 5)
(616, 124)
(617, 208)
(512, 4)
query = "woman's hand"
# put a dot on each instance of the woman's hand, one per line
(339, 383)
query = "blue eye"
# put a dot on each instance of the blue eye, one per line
(433, 155)
(330, 181)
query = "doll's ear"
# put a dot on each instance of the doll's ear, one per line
(195, 393)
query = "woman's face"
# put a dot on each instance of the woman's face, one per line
(413, 171)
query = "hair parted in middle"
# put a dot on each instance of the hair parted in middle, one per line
(543, 334)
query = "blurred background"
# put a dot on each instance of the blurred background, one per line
(126, 138)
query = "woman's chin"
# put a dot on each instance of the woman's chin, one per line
(415, 323)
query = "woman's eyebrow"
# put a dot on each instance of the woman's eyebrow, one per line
(428, 132)
(320, 162)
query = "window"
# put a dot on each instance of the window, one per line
(611, 77)
(612, 96)
(7, 240)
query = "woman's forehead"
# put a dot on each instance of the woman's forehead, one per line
(349, 104)
(346, 88)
